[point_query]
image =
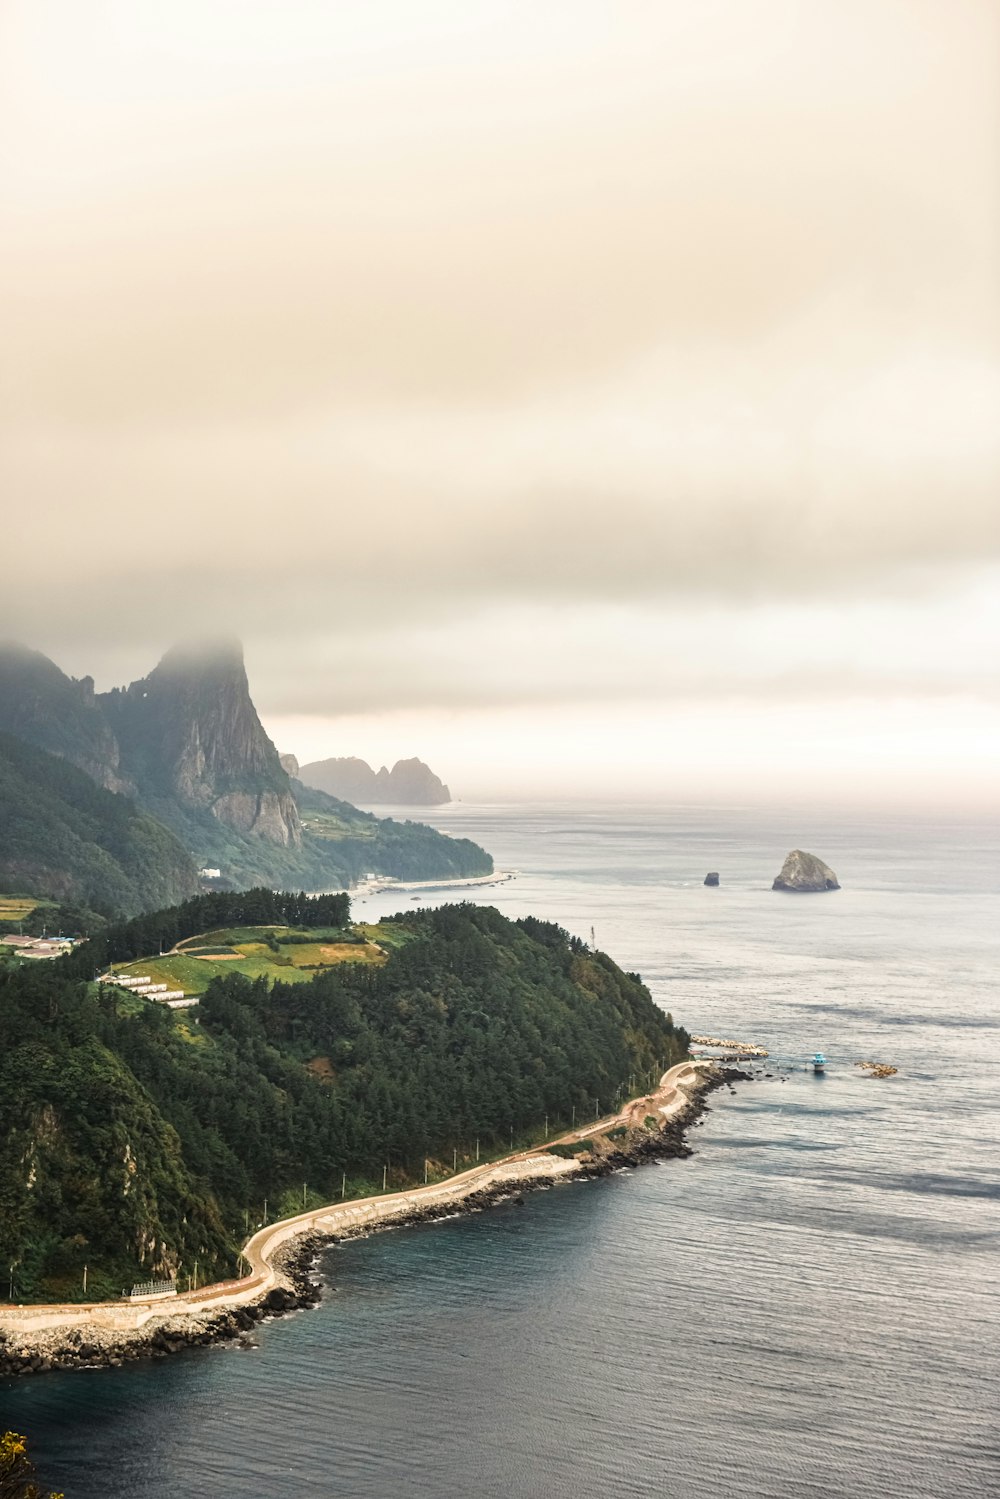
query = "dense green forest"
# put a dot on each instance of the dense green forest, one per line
(65, 837)
(136, 1140)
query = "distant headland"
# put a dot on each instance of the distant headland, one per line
(410, 783)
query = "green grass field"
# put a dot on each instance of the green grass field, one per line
(242, 951)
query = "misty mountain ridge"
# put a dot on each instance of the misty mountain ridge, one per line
(410, 783)
(186, 742)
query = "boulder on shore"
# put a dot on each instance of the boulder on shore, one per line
(712, 878)
(805, 872)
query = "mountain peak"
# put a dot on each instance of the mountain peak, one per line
(203, 657)
(193, 727)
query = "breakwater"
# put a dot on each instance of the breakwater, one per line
(738, 1048)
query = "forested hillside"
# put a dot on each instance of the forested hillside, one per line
(65, 837)
(136, 1141)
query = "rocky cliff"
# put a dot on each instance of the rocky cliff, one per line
(410, 783)
(805, 872)
(186, 743)
(190, 730)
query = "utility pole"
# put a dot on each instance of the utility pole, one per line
(454, 1159)
(246, 1220)
(303, 1196)
(85, 1280)
(573, 1120)
(597, 1108)
(425, 1171)
(343, 1186)
(477, 1147)
(385, 1173)
(512, 1137)
(265, 1209)
(546, 1126)
(196, 1275)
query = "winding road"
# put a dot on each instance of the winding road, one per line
(669, 1098)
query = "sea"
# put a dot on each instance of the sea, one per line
(806, 1308)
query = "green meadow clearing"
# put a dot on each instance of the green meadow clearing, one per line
(299, 956)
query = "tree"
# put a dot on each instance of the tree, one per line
(17, 1471)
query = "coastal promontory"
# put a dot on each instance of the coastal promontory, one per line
(137, 1140)
(805, 872)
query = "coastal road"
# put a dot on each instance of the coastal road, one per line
(669, 1098)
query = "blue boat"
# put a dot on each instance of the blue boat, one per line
(819, 1062)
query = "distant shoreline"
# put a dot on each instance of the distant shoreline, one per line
(379, 885)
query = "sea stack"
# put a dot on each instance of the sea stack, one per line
(805, 872)
(712, 878)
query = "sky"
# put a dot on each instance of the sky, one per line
(590, 398)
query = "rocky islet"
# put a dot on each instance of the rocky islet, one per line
(805, 873)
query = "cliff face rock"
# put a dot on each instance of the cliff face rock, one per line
(805, 872)
(264, 815)
(192, 733)
(410, 783)
(290, 766)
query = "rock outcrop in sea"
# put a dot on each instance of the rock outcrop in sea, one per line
(805, 872)
(712, 878)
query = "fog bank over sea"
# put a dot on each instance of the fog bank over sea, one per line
(808, 1307)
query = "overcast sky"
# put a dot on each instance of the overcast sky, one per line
(565, 392)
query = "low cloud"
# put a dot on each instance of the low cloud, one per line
(469, 362)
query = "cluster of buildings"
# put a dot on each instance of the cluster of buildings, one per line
(142, 984)
(39, 947)
(54, 947)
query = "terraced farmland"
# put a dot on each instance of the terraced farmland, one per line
(246, 950)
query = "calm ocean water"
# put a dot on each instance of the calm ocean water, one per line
(809, 1306)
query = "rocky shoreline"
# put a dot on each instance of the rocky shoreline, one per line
(61, 1348)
